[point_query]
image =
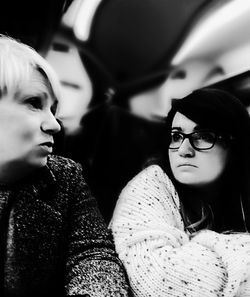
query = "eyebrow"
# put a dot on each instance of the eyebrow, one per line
(176, 128)
(31, 92)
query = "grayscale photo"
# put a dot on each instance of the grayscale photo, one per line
(125, 148)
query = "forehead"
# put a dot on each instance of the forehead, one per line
(36, 83)
(181, 121)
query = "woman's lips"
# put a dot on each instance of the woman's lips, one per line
(187, 165)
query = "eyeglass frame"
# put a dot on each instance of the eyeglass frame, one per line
(189, 136)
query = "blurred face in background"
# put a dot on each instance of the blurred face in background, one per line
(27, 125)
(76, 87)
(191, 166)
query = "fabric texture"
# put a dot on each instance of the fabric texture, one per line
(54, 239)
(161, 258)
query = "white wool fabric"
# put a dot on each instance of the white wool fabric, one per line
(161, 259)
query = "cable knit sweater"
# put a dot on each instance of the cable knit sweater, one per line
(161, 259)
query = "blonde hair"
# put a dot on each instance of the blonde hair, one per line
(17, 63)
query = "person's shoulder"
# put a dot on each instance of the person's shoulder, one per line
(55, 160)
(148, 177)
(153, 177)
(63, 165)
(152, 171)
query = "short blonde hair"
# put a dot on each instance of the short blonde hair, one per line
(17, 63)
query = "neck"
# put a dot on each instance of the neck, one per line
(194, 199)
(208, 193)
(12, 173)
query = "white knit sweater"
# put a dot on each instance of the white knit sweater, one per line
(161, 259)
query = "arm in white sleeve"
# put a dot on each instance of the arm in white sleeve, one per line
(159, 256)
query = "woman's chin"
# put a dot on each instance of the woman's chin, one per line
(191, 181)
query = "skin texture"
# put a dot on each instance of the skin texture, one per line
(192, 167)
(27, 126)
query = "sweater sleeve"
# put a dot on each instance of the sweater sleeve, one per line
(93, 267)
(160, 258)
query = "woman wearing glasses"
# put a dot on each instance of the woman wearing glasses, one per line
(181, 227)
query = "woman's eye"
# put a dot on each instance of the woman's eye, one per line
(206, 136)
(34, 102)
(176, 136)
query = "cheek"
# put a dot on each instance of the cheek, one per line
(28, 134)
(210, 167)
(24, 130)
(215, 165)
(172, 159)
(220, 165)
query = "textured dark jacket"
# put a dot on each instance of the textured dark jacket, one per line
(53, 239)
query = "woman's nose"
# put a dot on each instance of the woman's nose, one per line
(50, 124)
(186, 149)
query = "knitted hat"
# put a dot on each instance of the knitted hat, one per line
(134, 40)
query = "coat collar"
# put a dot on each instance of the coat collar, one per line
(34, 186)
(39, 184)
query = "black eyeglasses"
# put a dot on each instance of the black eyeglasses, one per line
(200, 140)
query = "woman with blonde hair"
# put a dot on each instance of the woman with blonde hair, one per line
(54, 242)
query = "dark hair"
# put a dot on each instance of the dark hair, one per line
(222, 112)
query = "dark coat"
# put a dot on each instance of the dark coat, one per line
(53, 238)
